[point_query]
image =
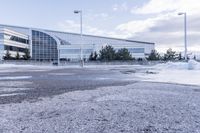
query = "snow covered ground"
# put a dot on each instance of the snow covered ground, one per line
(140, 107)
(178, 72)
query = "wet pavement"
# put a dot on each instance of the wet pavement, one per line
(57, 81)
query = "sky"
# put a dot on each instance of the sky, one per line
(144, 20)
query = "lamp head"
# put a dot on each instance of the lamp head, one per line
(76, 11)
(181, 13)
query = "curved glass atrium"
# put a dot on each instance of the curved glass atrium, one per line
(44, 47)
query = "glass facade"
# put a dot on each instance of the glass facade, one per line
(44, 47)
(75, 51)
(136, 50)
(63, 42)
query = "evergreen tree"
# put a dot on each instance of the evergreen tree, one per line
(154, 55)
(93, 56)
(17, 56)
(123, 54)
(195, 57)
(107, 53)
(26, 55)
(170, 55)
(7, 55)
(180, 56)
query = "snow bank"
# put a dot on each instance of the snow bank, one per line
(174, 76)
(193, 65)
(190, 65)
(174, 72)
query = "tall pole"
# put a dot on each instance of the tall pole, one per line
(185, 33)
(81, 34)
(81, 22)
(185, 24)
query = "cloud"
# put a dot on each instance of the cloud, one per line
(120, 7)
(72, 26)
(101, 16)
(69, 25)
(134, 27)
(167, 31)
(165, 27)
(158, 23)
(161, 6)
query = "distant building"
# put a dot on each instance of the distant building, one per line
(47, 45)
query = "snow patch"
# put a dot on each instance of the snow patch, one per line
(12, 94)
(13, 89)
(17, 77)
(61, 74)
(14, 83)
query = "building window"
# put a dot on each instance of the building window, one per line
(15, 38)
(75, 51)
(12, 48)
(44, 47)
(136, 50)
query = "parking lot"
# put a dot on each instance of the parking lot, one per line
(94, 99)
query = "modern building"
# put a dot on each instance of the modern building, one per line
(48, 45)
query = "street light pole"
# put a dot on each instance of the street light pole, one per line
(185, 32)
(81, 33)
